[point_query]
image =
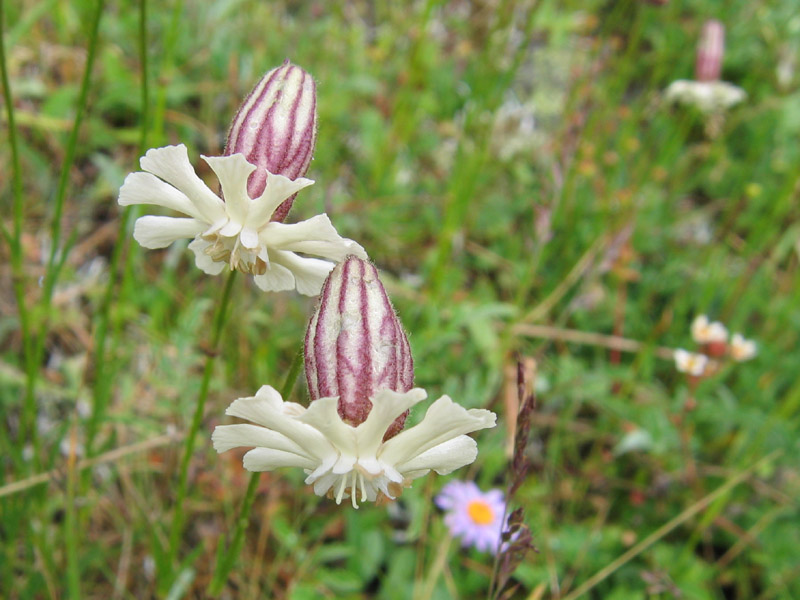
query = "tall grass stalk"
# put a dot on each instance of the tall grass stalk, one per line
(170, 43)
(471, 162)
(71, 537)
(14, 239)
(57, 255)
(179, 515)
(103, 378)
(226, 558)
(665, 529)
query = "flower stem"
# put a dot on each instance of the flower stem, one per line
(179, 517)
(225, 560)
(291, 378)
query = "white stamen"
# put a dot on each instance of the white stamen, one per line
(363, 487)
(340, 493)
(353, 491)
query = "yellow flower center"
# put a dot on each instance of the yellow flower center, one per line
(480, 512)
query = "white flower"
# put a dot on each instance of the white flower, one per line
(236, 232)
(706, 96)
(691, 363)
(705, 332)
(742, 349)
(345, 461)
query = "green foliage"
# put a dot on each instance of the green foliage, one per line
(614, 214)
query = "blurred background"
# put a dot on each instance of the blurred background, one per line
(526, 188)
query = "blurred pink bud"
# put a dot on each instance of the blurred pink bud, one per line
(276, 129)
(710, 51)
(355, 345)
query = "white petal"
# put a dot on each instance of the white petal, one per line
(323, 484)
(335, 251)
(316, 236)
(323, 416)
(679, 90)
(226, 437)
(230, 229)
(444, 458)
(326, 464)
(309, 273)
(277, 278)
(387, 405)
(345, 463)
(145, 188)
(159, 232)
(264, 410)
(444, 421)
(248, 238)
(266, 459)
(698, 328)
(682, 357)
(203, 261)
(259, 408)
(283, 235)
(277, 189)
(171, 164)
(233, 172)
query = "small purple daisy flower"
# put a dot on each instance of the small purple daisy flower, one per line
(472, 515)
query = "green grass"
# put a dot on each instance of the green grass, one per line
(616, 215)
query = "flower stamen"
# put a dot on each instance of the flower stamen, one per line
(340, 493)
(363, 487)
(354, 491)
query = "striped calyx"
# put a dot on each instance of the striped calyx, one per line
(355, 345)
(276, 129)
(710, 50)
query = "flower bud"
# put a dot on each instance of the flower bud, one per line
(355, 345)
(709, 52)
(276, 129)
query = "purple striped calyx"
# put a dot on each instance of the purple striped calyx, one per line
(355, 345)
(275, 129)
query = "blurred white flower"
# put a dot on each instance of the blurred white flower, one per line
(344, 461)
(237, 232)
(634, 441)
(706, 96)
(513, 129)
(706, 332)
(690, 362)
(742, 349)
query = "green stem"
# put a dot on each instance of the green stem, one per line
(101, 390)
(226, 560)
(57, 255)
(170, 43)
(70, 526)
(188, 448)
(14, 239)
